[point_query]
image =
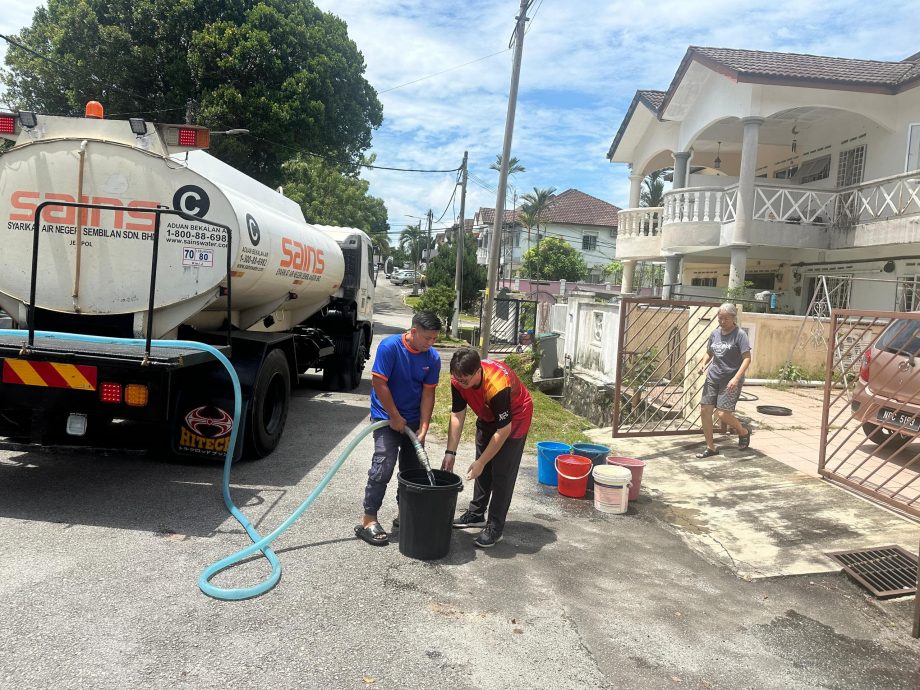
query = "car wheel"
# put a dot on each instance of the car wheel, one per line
(879, 435)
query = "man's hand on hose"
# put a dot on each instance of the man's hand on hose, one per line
(398, 423)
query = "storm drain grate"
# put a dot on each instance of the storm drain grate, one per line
(886, 571)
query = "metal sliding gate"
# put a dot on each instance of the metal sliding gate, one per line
(509, 319)
(658, 385)
(871, 418)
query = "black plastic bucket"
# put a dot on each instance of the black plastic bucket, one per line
(426, 513)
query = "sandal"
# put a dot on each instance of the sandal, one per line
(373, 534)
(708, 453)
(745, 441)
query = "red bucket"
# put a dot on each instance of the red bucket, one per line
(635, 466)
(573, 471)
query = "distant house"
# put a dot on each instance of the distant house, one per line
(587, 223)
(787, 167)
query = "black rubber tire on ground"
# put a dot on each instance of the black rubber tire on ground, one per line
(268, 408)
(879, 435)
(775, 410)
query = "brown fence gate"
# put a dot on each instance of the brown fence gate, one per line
(871, 418)
(661, 346)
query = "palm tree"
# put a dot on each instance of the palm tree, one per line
(537, 203)
(411, 240)
(652, 194)
(514, 165)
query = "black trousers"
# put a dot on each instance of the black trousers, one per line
(494, 487)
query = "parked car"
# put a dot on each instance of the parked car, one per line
(887, 399)
(402, 277)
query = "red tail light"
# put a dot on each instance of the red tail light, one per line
(864, 367)
(110, 392)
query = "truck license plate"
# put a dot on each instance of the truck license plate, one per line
(898, 418)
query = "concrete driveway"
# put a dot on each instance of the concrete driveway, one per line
(100, 557)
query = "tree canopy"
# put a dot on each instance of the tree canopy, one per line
(283, 69)
(554, 259)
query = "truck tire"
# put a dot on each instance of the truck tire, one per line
(268, 408)
(343, 373)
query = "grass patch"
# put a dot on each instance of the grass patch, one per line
(411, 301)
(551, 421)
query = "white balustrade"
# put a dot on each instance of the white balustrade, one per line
(694, 205)
(639, 222)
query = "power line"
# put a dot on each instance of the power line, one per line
(444, 71)
(449, 203)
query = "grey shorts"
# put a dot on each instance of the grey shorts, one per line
(715, 393)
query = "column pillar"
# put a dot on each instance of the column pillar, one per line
(626, 284)
(681, 169)
(744, 214)
(738, 264)
(671, 275)
(635, 189)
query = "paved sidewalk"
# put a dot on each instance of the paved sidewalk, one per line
(764, 511)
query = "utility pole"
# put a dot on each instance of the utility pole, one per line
(418, 247)
(494, 245)
(458, 270)
(428, 248)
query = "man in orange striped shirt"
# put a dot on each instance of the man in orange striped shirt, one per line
(504, 410)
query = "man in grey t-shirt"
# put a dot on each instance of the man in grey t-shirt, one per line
(728, 356)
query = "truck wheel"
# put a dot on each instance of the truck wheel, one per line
(343, 373)
(268, 409)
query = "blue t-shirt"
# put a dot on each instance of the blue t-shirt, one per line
(406, 371)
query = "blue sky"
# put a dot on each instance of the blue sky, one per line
(583, 61)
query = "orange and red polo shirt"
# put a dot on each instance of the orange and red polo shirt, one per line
(500, 399)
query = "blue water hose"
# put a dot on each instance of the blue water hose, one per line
(259, 543)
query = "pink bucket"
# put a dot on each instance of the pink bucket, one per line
(635, 466)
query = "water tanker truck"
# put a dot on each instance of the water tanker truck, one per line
(129, 229)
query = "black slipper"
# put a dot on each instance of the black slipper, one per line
(745, 441)
(373, 534)
(708, 453)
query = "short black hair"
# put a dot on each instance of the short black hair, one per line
(426, 321)
(465, 362)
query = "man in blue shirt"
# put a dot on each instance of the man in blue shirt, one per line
(405, 375)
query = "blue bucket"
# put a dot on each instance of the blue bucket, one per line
(596, 453)
(546, 461)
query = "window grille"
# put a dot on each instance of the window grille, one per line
(589, 243)
(850, 167)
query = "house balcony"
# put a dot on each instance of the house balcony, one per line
(879, 212)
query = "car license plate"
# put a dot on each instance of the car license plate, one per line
(899, 418)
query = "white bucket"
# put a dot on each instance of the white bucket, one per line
(611, 488)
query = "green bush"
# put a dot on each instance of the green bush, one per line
(523, 364)
(439, 300)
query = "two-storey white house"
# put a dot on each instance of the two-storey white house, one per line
(587, 223)
(786, 167)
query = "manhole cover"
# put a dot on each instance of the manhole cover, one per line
(886, 571)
